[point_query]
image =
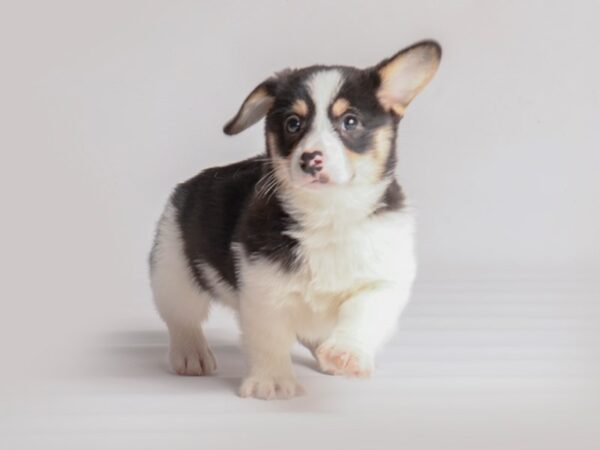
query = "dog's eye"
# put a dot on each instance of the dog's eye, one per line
(293, 124)
(350, 122)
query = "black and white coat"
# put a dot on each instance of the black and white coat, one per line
(311, 241)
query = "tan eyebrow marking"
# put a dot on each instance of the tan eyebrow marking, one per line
(300, 107)
(340, 106)
(370, 165)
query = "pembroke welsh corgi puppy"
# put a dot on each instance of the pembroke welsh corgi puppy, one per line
(311, 240)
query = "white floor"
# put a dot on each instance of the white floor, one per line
(473, 366)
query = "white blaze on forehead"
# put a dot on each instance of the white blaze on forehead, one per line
(323, 87)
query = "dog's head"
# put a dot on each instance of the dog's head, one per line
(333, 125)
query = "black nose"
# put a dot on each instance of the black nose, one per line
(311, 162)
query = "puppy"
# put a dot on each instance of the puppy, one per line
(310, 241)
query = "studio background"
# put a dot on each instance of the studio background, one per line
(105, 106)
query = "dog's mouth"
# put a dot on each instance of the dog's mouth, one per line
(321, 178)
(325, 181)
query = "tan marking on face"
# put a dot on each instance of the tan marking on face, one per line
(300, 107)
(280, 164)
(368, 167)
(272, 144)
(339, 107)
(383, 145)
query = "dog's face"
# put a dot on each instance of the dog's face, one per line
(332, 126)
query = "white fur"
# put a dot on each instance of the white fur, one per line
(346, 297)
(221, 290)
(323, 86)
(179, 301)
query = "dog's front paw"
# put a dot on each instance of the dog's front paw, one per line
(338, 358)
(270, 388)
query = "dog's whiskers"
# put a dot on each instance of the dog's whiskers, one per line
(265, 187)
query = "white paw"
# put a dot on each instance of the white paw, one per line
(270, 388)
(194, 359)
(338, 358)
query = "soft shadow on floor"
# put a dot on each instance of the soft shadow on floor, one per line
(140, 356)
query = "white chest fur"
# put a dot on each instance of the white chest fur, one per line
(338, 261)
(342, 248)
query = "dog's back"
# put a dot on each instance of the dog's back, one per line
(209, 207)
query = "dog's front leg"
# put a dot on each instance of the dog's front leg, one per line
(267, 339)
(365, 322)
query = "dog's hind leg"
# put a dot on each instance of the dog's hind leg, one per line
(181, 302)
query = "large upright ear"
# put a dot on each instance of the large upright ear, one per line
(254, 108)
(406, 73)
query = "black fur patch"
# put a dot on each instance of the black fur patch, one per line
(392, 159)
(392, 199)
(209, 208)
(291, 87)
(220, 206)
(360, 89)
(262, 232)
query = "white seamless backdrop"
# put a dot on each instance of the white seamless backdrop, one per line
(106, 105)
